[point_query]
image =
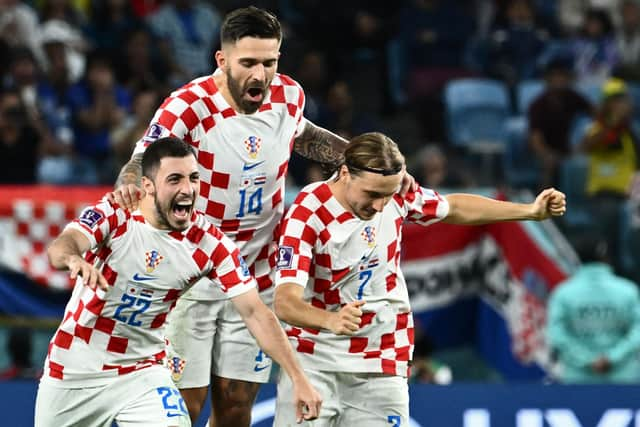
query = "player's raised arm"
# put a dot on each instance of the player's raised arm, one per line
(472, 209)
(65, 253)
(264, 326)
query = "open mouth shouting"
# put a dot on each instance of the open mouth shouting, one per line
(182, 209)
(255, 93)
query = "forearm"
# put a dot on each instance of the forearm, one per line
(62, 250)
(470, 209)
(131, 172)
(266, 329)
(297, 312)
(321, 145)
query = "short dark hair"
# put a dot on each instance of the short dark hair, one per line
(250, 22)
(163, 147)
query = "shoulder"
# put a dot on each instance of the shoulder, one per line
(201, 87)
(313, 195)
(285, 89)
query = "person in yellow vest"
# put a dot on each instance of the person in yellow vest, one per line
(613, 151)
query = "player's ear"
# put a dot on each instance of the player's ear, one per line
(343, 172)
(220, 58)
(148, 185)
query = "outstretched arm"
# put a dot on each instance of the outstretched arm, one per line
(65, 253)
(265, 328)
(471, 209)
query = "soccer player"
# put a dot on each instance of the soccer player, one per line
(340, 287)
(243, 121)
(105, 361)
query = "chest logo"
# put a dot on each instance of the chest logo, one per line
(369, 235)
(252, 145)
(152, 259)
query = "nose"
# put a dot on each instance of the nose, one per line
(259, 72)
(378, 204)
(186, 187)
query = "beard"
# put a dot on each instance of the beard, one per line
(237, 91)
(163, 211)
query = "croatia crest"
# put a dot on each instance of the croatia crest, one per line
(176, 367)
(252, 144)
(152, 259)
(369, 235)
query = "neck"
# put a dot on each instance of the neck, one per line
(148, 210)
(338, 190)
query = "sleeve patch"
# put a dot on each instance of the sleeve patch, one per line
(155, 131)
(285, 257)
(90, 217)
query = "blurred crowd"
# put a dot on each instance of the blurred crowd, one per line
(81, 79)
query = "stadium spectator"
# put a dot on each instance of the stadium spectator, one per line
(433, 169)
(550, 118)
(593, 323)
(244, 119)
(613, 150)
(99, 105)
(340, 287)
(514, 47)
(187, 31)
(105, 360)
(628, 40)
(20, 142)
(594, 50)
(19, 25)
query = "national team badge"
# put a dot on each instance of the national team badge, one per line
(176, 367)
(253, 144)
(153, 259)
(369, 235)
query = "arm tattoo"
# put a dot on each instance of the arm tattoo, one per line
(319, 144)
(131, 173)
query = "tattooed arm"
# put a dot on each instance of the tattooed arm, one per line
(128, 190)
(319, 144)
(131, 172)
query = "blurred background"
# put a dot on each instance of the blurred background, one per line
(496, 97)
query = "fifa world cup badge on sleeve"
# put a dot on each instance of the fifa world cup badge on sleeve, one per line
(285, 257)
(90, 217)
(176, 367)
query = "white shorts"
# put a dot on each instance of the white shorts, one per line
(199, 331)
(349, 400)
(146, 398)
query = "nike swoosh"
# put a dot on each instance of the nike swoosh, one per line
(260, 368)
(142, 278)
(248, 167)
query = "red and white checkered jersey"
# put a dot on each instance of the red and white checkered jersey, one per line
(114, 332)
(243, 161)
(339, 259)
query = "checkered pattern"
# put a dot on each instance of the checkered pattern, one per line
(243, 162)
(338, 259)
(114, 332)
(35, 224)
